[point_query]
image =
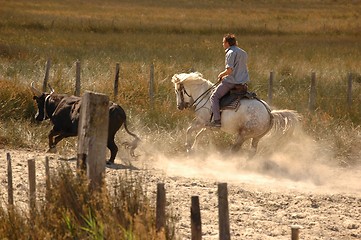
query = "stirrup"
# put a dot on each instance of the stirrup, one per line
(215, 124)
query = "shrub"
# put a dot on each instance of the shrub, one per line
(15, 101)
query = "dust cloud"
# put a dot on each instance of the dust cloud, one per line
(301, 164)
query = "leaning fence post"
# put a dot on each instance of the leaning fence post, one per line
(32, 185)
(151, 86)
(160, 211)
(10, 181)
(77, 79)
(270, 88)
(93, 135)
(223, 212)
(116, 82)
(312, 97)
(196, 223)
(46, 78)
(349, 90)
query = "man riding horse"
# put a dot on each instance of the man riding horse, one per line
(235, 75)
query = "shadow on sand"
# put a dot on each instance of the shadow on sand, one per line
(121, 166)
(112, 165)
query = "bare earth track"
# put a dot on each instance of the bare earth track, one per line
(263, 202)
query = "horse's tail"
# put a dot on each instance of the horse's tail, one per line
(285, 121)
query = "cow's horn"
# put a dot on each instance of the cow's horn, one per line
(35, 91)
(51, 89)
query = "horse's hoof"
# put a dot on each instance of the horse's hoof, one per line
(190, 150)
(251, 155)
(52, 150)
(109, 163)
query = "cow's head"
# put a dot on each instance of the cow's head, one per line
(40, 98)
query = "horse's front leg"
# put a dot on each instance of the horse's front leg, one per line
(197, 135)
(195, 126)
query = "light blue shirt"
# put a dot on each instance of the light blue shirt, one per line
(236, 58)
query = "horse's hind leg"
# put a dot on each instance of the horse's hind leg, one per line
(254, 146)
(238, 144)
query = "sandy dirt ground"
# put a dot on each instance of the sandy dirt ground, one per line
(266, 195)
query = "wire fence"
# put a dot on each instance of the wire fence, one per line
(346, 91)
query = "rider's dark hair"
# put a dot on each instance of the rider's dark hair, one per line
(231, 39)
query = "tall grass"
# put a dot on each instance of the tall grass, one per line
(119, 210)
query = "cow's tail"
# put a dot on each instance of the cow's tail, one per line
(134, 144)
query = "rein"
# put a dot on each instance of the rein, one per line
(201, 97)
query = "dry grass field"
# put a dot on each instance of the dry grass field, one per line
(290, 38)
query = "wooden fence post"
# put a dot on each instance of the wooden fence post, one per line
(47, 177)
(223, 212)
(116, 82)
(77, 79)
(93, 135)
(312, 97)
(270, 88)
(160, 211)
(151, 86)
(46, 78)
(295, 231)
(349, 90)
(32, 185)
(10, 181)
(47, 173)
(196, 223)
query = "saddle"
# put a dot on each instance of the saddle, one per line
(232, 100)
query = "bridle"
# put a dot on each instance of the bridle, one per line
(198, 100)
(183, 91)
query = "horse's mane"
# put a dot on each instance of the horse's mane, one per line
(191, 78)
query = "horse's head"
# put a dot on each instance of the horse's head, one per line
(184, 99)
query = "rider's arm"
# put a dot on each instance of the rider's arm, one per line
(225, 73)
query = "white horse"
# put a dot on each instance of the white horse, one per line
(251, 120)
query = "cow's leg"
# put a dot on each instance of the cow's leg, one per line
(52, 146)
(58, 137)
(113, 149)
(62, 136)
